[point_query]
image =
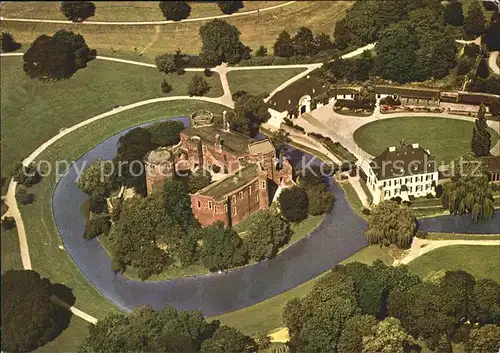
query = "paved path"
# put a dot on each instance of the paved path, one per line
(492, 62)
(420, 247)
(199, 19)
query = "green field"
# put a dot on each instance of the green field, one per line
(11, 257)
(481, 261)
(33, 111)
(69, 339)
(259, 81)
(266, 315)
(446, 139)
(43, 237)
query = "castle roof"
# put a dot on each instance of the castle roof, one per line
(224, 187)
(403, 160)
(263, 146)
(159, 156)
(230, 140)
(405, 91)
(492, 163)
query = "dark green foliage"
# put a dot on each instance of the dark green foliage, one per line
(294, 204)
(207, 72)
(457, 291)
(444, 345)
(267, 232)
(320, 199)
(166, 87)
(97, 179)
(322, 42)
(97, 203)
(284, 45)
(8, 42)
(230, 6)
(485, 339)
(481, 137)
(29, 318)
(482, 70)
(188, 251)
(222, 248)
(8, 223)
(169, 63)
(485, 306)
(177, 203)
(77, 44)
(97, 226)
(198, 86)
(464, 65)
(472, 50)
(390, 100)
(146, 330)
(77, 11)
(262, 51)
(228, 339)
(280, 139)
(351, 339)
(175, 10)
(491, 37)
(350, 70)
(198, 180)
(474, 22)
(489, 85)
(221, 43)
(391, 223)
(166, 133)
(494, 108)
(303, 42)
(23, 196)
(389, 336)
(249, 113)
(453, 13)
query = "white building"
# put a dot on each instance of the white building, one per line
(402, 171)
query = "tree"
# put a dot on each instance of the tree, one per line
(320, 199)
(491, 38)
(166, 87)
(351, 339)
(198, 86)
(78, 46)
(284, 45)
(481, 137)
(267, 232)
(485, 339)
(99, 178)
(322, 42)
(303, 42)
(96, 227)
(482, 70)
(228, 7)
(188, 251)
(166, 133)
(280, 139)
(249, 113)
(472, 50)
(262, 51)
(391, 223)
(485, 306)
(26, 175)
(228, 339)
(8, 42)
(199, 179)
(457, 288)
(474, 22)
(175, 10)
(464, 65)
(8, 223)
(494, 108)
(77, 11)
(25, 294)
(221, 43)
(48, 59)
(146, 330)
(23, 196)
(222, 248)
(453, 13)
(294, 204)
(169, 63)
(388, 336)
(444, 345)
(177, 203)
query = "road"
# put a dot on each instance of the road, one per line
(147, 23)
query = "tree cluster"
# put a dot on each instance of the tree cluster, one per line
(198, 86)
(57, 57)
(230, 6)
(481, 137)
(175, 10)
(378, 308)
(249, 113)
(167, 330)
(77, 11)
(30, 318)
(303, 43)
(391, 223)
(170, 63)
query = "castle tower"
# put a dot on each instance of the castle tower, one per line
(159, 165)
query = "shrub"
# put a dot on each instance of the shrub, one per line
(208, 72)
(294, 204)
(411, 197)
(421, 234)
(8, 223)
(344, 177)
(366, 211)
(97, 203)
(23, 196)
(118, 266)
(166, 87)
(198, 86)
(96, 226)
(8, 42)
(389, 100)
(77, 11)
(175, 10)
(261, 52)
(429, 196)
(320, 199)
(26, 175)
(397, 199)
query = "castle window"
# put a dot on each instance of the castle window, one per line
(198, 204)
(257, 198)
(225, 208)
(210, 205)
(263, 184)
(234, 211)
(241, 195)
(204, 149)
(250, 189)
(234, 198)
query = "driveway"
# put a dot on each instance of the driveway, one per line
(340, 235)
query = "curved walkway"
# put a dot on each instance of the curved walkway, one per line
(139, 23)
(492, 62)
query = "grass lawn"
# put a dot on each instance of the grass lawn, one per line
(256, 29)
(447, 139)
(266, 315)
(481, 261)
(33, 111)
(119, 11)
(69, 339)
(43, 238)
(260, 81)
(11, 256)
(353, 198)
(448, 236)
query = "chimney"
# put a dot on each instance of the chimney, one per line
(392, 149)
(217, 141)
(415, 145)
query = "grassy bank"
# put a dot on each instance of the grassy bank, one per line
(11, 255)
(259, 81)
(43, 237)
